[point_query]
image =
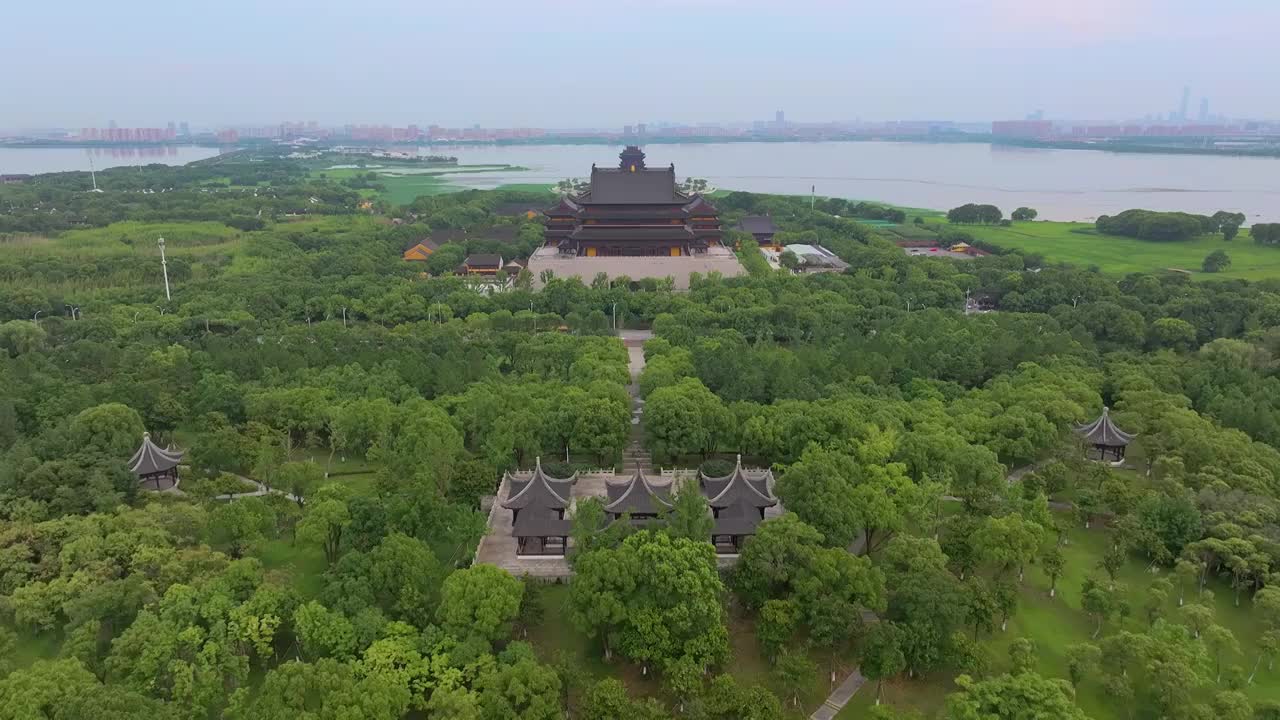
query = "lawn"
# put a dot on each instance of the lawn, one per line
(1079, 244)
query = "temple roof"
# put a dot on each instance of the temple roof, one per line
(637, 496)
(565, 208)
(540, 491)
(646, 186)
(758, 225)
(739, 488)
(700, 206)
(622, 232)
(151, 458)
(1104, 432)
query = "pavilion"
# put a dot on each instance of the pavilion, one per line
(1106, 442)
(538, 507)
(738, 501)
(152, 463)
(637, 499)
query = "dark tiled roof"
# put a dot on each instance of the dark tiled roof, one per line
(700, 206)
(1104, 432)
(565, 208)
(483, 260)
(739, 488)
(151, 458)
(758, 225)
(619, 187)
(539, 491)
(638, 497)
(622, 233)
(540, 522)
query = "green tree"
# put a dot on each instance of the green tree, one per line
(325, 520)
(1216, 261)
(819, 489)
(1082, 659)
(1054, 562)
(795, 672)
(480, 601)
(656, 597)
(240, 525)
(1024, 696)
(113, 430)
(1022, 655)
(520, 688)
(689, 516)
(882, 655)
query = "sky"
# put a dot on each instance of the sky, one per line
(605, 63)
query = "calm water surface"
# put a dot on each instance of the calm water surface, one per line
(1061, 184)
(43, 160)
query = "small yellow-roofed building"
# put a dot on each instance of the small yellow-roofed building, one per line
(421, 250)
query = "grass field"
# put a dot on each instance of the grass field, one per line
(406, 184)
(1078, 244)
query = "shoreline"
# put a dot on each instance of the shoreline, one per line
(1120, 148)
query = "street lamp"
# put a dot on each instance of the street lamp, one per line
(36, 317)
(614, 314)
(164, 266)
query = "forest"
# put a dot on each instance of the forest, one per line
(943, 534)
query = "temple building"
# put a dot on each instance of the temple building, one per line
(1104, 441)
(154, 465)
(762, 229)
(538, 506)
(632, 220)
(738, 501)
(635, 211)
(637, 499)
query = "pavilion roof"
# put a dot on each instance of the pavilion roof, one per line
(739, 488)
(539, 491)
(151, 458)
(540, 522)
(637, 496)
(737, 520)
(1104, 432)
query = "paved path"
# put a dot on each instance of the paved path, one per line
(839, 697)
(259, 491)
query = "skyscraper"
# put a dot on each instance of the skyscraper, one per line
(1204, 109)
(780, 118)
(1186, 101)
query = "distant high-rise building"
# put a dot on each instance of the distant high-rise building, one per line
(1204, 109)
(780, 118)
(112, 124)
(184, 129)
(641, 128)
(1186, 101)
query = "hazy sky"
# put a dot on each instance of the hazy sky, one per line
(589, 63)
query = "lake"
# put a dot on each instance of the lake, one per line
(1060, 184)
(35, 160)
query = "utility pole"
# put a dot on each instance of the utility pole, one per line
(614, 315)
(344, 317)
(813, 191)
(93, 175)
(164, 266)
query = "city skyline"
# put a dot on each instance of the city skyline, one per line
(579, 64)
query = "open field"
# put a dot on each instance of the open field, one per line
(1079, 244)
